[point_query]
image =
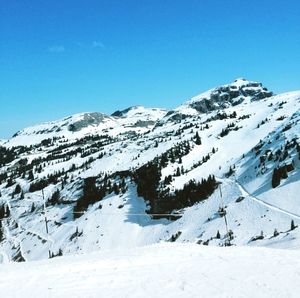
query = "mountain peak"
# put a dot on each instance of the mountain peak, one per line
(237, 92)
(122, 113)
(140, 111)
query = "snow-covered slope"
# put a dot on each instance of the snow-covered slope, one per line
(112, 181)
(137, 119)
(164, 270)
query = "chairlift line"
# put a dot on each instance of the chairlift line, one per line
(138, 214)
(46, 223)
(225, 219)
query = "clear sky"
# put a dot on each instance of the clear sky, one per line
(59, 57)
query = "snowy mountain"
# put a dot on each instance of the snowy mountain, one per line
(240, 91)
(142, 176)
(137, 119)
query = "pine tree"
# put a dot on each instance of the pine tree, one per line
(182, 170)
(275, 178)
(218, 236)
(7, 211)
(197, 139)
(116, 188)
(30, 175)
(293, 227)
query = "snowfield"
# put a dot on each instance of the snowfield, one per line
(161, 270)
(101, 231)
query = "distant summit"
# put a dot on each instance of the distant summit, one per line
(241, 90)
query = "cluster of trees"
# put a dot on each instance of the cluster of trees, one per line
(6, 155)
(173, 154)
(262, 123)
(222, 116)
(281, 173)
(3, 177)
(192, 192)
(38, 185)
(280, 155)
(44, 182)
(55, 198)
(94, 192)
(147, 179)
(225, 131)
(91, 194)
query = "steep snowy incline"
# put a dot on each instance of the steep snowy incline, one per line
(121, 221)
(164, 270)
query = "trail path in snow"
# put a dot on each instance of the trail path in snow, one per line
(260, 201)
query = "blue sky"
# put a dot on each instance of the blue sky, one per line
(65, 56)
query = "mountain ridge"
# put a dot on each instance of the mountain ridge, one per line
(213, 99)
(124, 173)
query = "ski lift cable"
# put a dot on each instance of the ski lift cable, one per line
(138, 214)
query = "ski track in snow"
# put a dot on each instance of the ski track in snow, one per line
(245, 192)
(160, 271)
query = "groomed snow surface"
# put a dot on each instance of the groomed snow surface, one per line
(161, 270)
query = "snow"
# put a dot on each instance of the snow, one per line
(161, 270)
(110, 125)
(263, 208)
(122, 223)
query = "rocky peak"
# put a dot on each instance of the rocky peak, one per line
(86, 120)
(123, 113)
(241, 90)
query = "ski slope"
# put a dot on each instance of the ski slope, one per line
(161, 270)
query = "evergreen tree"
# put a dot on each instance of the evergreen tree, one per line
(116, 188)
(197, 139)
(293, 227)
(182, 170)
(7, 211)
(30, 175)
(275, 178)
(18, 189)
